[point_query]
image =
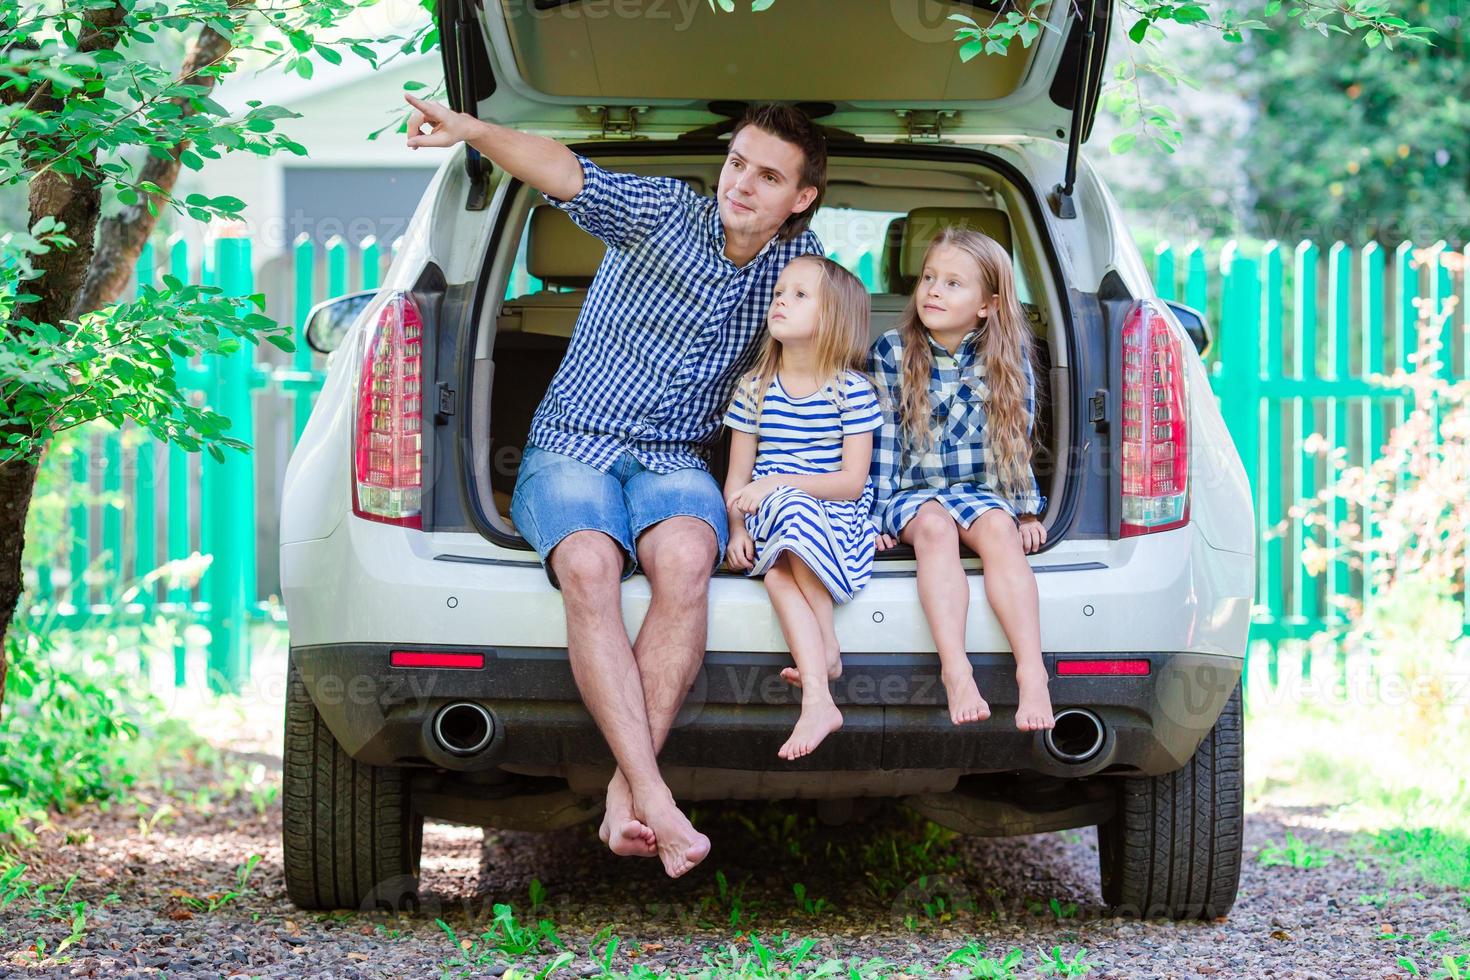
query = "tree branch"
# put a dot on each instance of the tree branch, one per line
(122, 236)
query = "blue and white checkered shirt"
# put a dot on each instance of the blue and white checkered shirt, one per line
(668, 326)
(958, 470)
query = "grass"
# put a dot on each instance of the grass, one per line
(44, 903)
(213, 903)
(1295, 853)
(525, 952)
(505, 938)
(1397, 784)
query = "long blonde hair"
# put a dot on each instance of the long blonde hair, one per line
(1005, 338)
(841, 340)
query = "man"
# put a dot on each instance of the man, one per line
(614, 476)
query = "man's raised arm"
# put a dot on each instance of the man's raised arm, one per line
(540, 162)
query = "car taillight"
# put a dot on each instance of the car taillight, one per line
(1155, 424)
(387, 466)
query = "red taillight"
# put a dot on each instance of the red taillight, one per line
(1107, 668)
(428, 658)
(1155, 424)
(387, 455)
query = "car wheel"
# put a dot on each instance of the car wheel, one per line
(1173, 847)
(350, 837)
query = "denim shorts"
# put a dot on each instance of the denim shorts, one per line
(555, 495)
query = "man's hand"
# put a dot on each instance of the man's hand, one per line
(741, 552)
(1033, 535)
(447, 127)
(748, 498)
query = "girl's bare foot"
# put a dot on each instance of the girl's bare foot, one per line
(792, 676)
(680, 846)
(965, 703)
(1033, 711)
(624, 834)
(818, 720)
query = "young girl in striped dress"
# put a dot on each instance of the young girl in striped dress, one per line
(797, 489)
(953, 460)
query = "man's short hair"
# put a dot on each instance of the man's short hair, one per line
(794, 126)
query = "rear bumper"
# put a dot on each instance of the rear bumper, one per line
(896, 737)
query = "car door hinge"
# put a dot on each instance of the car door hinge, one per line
(617, 121)
(925, 125)
(446, 404)
(1097, 409)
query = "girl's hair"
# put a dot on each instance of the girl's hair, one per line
(841, 340)
(1005, 338)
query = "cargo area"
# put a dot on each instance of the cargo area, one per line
(876, 218)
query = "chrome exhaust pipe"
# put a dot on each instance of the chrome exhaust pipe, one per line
(1077, 737)
(463, 728)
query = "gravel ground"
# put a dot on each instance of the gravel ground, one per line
(1353, 916)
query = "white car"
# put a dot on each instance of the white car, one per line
(429, 674)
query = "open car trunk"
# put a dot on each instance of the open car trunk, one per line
(541, 263)
(569, 67)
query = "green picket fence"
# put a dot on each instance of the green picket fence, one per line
(1296, 337)
(176, 504)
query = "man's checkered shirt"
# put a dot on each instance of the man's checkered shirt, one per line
(668, 325)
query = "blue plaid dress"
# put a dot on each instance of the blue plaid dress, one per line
(835, 538)
(958, 470)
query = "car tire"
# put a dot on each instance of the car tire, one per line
(350, 837)
(1173, 847)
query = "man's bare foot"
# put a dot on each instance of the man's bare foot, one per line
(818, 720)
(965, 703)
(624, 834)
(680, 846)
(792, 676)
(1033, 710)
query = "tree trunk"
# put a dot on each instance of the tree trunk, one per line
(120, 238)
(17, 480)
(75, 200)
(91, 275)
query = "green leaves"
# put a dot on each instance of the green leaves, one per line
(996, 37)
(125, 361)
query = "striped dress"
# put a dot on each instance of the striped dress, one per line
(835, 538)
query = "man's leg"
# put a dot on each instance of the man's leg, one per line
(677, 555)
(588, 566)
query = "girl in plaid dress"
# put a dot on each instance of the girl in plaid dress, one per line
(952, 462)
(797, 488)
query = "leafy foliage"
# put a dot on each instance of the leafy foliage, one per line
(1360, 142)
(91, 96)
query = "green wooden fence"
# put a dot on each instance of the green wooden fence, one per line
(1297, 336)
(208, 507)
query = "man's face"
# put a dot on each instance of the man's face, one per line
(759, 184)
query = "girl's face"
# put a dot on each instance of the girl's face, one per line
(950, 294)
(795, 303)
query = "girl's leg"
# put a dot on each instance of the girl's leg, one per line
(822, 606)
(819, 714)
(945, 597)
(1010, 587)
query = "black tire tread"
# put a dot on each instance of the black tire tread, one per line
(348, 830)
(1173, 849)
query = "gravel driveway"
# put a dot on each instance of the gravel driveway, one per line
(876, 887)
